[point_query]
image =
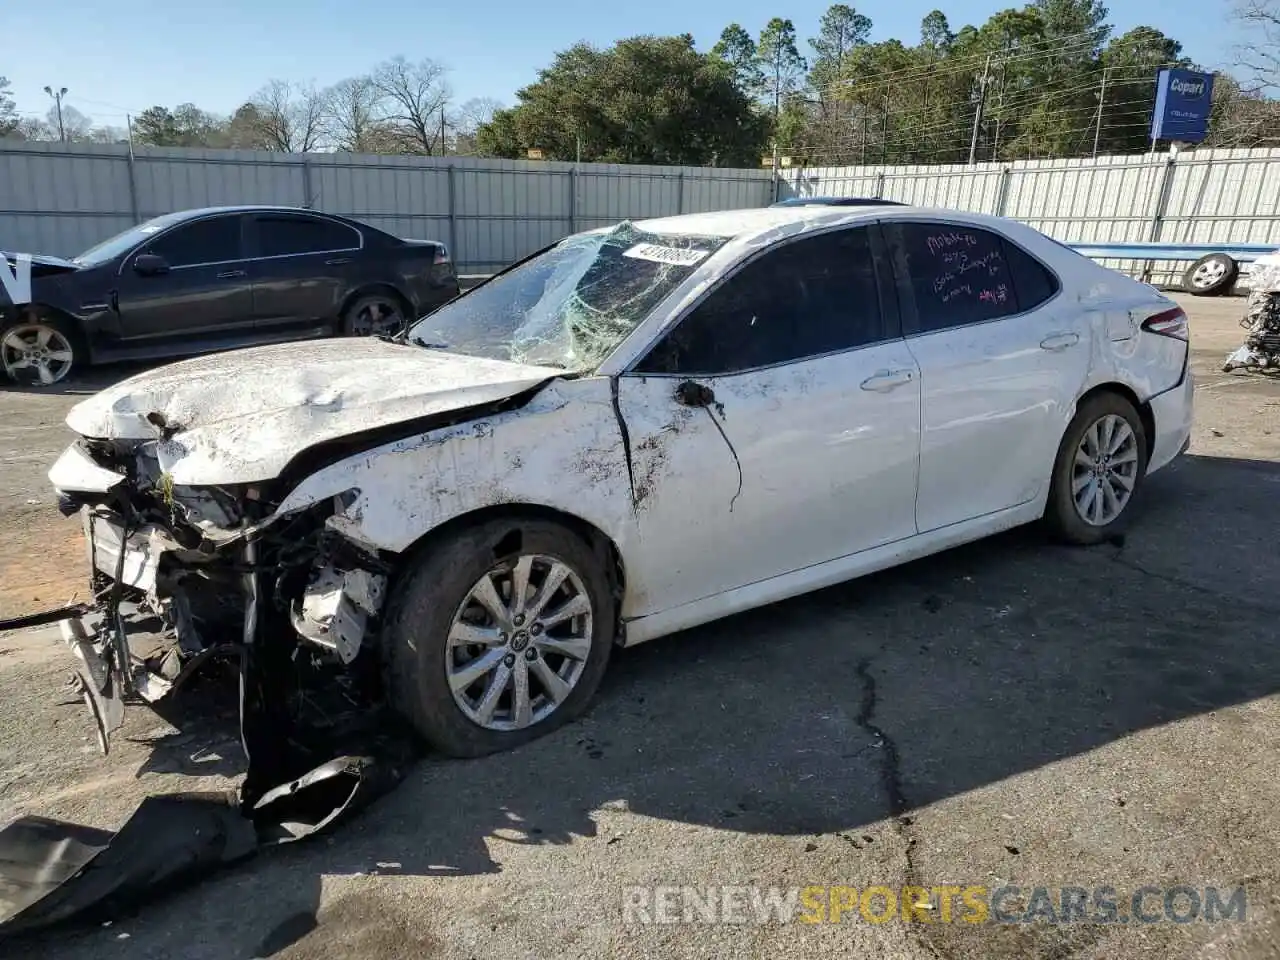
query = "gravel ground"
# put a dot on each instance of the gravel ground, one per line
(1010, 712)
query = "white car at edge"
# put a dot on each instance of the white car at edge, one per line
(634, 431)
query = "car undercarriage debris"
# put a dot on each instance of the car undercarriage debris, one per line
(181, 582)
(1260, 350)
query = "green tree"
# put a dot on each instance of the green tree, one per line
(935, 33)
(1130, 63)
(840, 30)
(8, 109)
(644, 100)
(738, 51)
(780, 62)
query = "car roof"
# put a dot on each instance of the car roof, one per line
(246, 208)
(753, 221)
(837, 202)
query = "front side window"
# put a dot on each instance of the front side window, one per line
(212, 240)
(805, 298)
(960, 275)
(282, 236)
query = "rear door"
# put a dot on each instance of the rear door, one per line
(302, 267)
(206, 290)
(1002, 356)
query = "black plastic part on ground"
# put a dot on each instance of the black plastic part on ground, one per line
(301, 780)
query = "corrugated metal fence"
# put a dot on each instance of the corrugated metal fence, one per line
(61, 199)
(1204, 196)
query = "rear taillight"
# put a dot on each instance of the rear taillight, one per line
(1170, 323)
(442, 254)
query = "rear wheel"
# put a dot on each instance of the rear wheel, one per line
(38, 350)
(372, 314)
(498, 636)
(1098, 470)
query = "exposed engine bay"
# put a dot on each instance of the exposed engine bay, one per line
(181, 577)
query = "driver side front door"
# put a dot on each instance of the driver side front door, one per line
(775, 427)
(206, 292)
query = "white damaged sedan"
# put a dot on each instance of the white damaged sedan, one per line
(633, 431)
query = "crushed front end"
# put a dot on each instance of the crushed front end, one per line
(185, 577)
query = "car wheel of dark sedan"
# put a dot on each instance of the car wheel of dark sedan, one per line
(38, 351)
(498, 635)
(373, 314)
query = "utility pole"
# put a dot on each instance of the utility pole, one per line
(57, 99)
(1102, 99)
(977, 114)
(444, 147)
(884, 145)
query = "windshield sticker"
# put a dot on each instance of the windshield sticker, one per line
(660, 254)
(16, 282)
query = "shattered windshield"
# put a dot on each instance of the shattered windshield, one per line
(570, 305)
(112, 247)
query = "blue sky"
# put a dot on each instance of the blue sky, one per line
(128, 55)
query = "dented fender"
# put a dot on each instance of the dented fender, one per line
(563, 450)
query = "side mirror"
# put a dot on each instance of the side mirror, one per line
(150, 265)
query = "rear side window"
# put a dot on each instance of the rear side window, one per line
(281, 236)
(213, 240)
(960, 275)
(805, 298)
(1031, 279)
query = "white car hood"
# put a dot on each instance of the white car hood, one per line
(241, 416)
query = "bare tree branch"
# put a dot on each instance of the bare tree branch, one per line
(416, 94)
(475, 113)
(1260, 55)
(355, 115)
(290, 118)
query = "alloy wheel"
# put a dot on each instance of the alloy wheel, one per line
(1105, 470)
(379, 316)
(36, 354)
(519, 643)
(1207, 274)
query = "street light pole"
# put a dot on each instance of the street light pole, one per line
(57, 99)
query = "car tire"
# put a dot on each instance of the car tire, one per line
(1210, 275)
(431, 602)
(1085, 506)
(374, 313)
(40, 349)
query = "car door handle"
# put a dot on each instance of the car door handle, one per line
(337, 260)
(885, 380)
(1060, 341)
(230, 274)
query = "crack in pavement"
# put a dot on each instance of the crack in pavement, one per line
(1173, 580)
(891, 784)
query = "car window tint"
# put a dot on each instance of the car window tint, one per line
(214, 240)
(958, 274)
(1031, 279)
(279, 236)
(807, 297)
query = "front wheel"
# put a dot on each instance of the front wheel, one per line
(498, 636)
(1098, 470)
(38, 351)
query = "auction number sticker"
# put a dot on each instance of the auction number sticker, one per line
(660, 254)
